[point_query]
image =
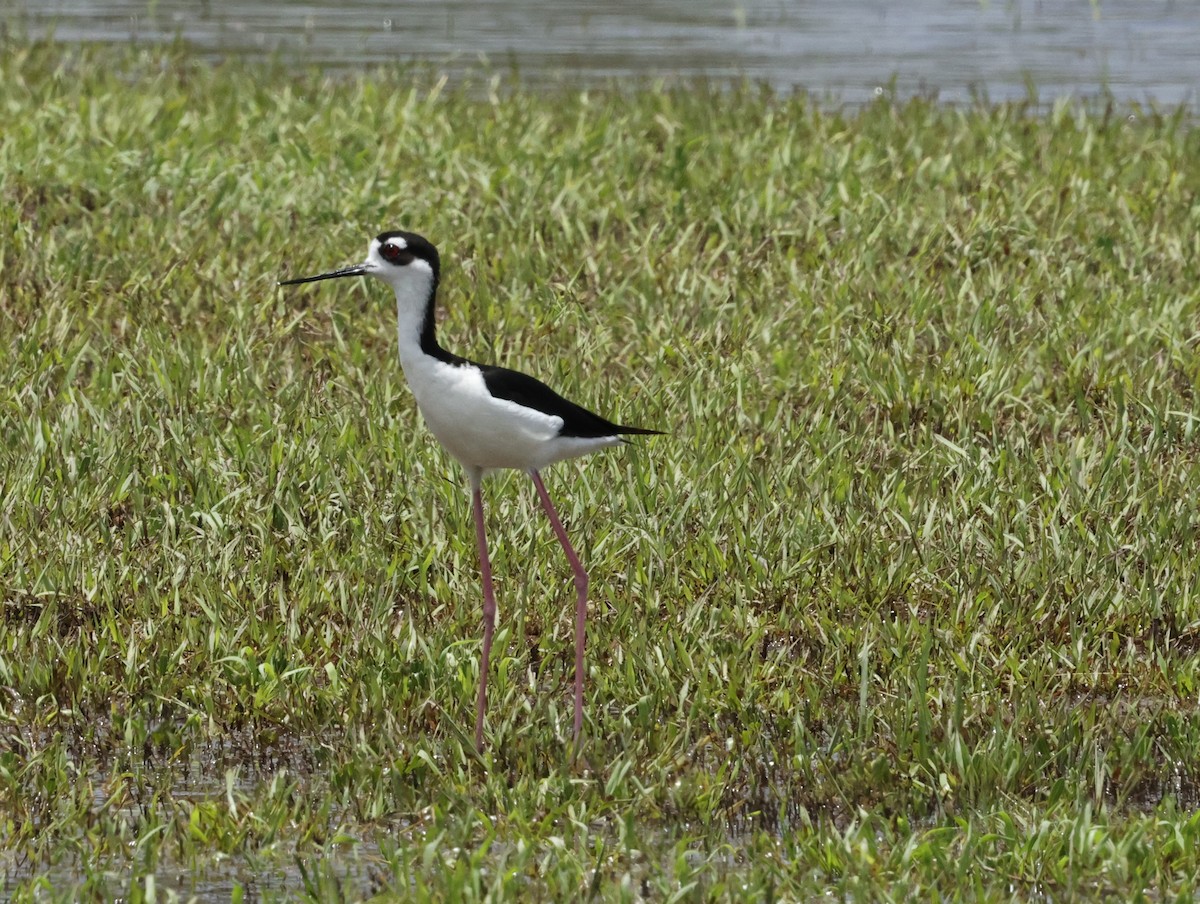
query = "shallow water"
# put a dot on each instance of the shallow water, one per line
(1137, 51)
(771, 799)
(213, 772)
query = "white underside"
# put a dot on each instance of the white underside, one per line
(483, 432)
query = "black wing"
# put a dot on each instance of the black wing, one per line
(514, 386)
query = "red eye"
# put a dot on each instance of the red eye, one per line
(394, 254)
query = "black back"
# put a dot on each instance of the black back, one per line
(529, 392)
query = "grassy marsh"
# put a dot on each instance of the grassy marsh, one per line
(905, 605)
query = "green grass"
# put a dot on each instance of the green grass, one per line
(906, 605)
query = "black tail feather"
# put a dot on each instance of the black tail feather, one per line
(638, 431)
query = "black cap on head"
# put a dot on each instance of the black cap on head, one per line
(416, 245)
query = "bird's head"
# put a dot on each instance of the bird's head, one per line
(404, 260)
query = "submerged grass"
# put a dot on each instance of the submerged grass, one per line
(905, 605)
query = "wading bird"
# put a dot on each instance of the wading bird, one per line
(487, 417)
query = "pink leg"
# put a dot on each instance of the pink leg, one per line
(489, 611)
(581, 585)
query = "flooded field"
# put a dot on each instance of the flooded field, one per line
(902, 604)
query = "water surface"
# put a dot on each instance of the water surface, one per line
(1144, 51)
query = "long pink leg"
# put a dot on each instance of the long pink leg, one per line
(581, 586)
(489, 610)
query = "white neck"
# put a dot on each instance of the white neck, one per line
(412, 306)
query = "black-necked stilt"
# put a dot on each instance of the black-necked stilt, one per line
(487, 417)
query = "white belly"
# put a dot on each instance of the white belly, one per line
(483, 432)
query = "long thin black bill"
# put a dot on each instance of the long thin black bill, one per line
(356, 270)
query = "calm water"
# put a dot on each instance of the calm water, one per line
(1139, 50)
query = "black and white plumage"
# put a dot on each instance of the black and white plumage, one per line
(487, 417)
